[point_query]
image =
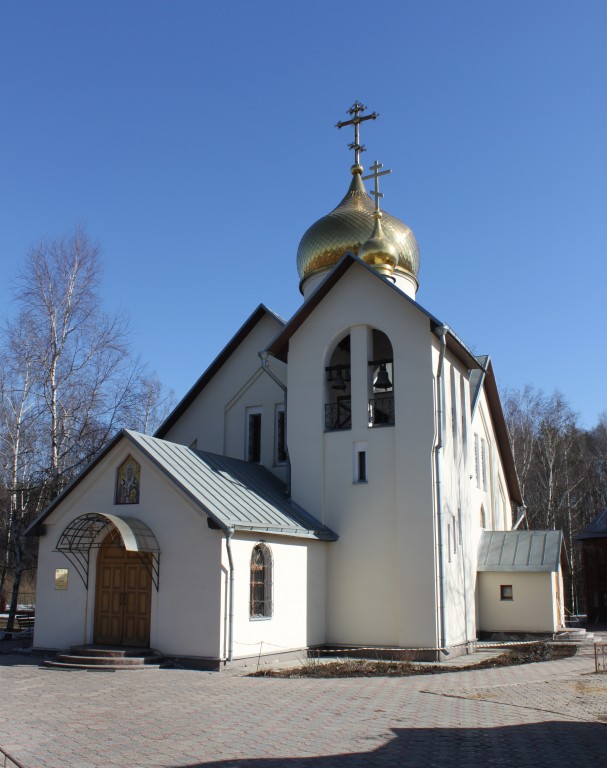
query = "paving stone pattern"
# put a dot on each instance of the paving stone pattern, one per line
(536, 715)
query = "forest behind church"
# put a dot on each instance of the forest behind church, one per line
(69, 380)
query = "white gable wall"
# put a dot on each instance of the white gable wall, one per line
(185, 611)
(381, 572)
(215, 420)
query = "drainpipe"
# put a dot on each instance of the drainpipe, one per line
(441, 332)
(263, 356)
(521, 517)
(229, 533)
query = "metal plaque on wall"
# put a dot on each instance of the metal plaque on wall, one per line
(61, 578)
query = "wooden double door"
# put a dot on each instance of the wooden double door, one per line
(123, 597)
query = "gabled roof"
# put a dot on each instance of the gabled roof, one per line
(477, 377)
(221, 358)
(480, 368)
(234, 494)
(524, 551)
(597, 528)
(278, 347)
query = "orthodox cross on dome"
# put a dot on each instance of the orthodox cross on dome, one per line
(375, 175)
(356, 120)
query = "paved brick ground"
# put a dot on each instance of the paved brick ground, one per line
(536, 715)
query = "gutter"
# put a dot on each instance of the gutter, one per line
(229, 533)
(441, 331)
(263, 356)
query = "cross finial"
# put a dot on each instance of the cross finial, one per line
(356, 120)
(375, 175)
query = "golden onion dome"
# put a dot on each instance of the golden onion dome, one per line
(379, 252)
(347, 227)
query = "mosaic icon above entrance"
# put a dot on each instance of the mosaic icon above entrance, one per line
(128, 481)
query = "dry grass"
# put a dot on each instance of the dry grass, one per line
(321, 668)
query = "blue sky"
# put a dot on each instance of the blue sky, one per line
(195, 143)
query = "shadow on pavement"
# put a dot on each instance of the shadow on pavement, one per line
(537, 745)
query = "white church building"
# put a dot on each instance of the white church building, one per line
(342, 479)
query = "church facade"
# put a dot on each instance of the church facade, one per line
(340, 479)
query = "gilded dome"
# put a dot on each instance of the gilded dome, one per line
(379, 252)
(347, 227)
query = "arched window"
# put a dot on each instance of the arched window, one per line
(338, 403)
(381, 381)
(483, 519)
(261, 582)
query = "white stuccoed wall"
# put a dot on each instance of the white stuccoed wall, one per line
(216, 418)
(381, 573)
(533, 609)
(298, 596)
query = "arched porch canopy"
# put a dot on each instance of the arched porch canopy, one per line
(89, 531)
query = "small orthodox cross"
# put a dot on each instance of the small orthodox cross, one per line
(375, 175)
(356, 120)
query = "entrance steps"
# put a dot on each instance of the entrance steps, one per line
(574, 635)
(94, 657)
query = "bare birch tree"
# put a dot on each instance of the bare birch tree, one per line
(559, 466)
(68, 382)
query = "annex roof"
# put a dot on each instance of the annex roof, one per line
(260, 312)
(235, 494)
(523, 551)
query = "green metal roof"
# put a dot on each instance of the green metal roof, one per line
(520, 551)
(235, 494)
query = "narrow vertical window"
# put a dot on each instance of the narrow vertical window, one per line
(449, 540)
(280, 443)
(362, 466)
(453, 413)
(462, 399)
(254, 436)
(261, 582)
(476, 461)
(483, 519)
(360, 463)
(484, 462)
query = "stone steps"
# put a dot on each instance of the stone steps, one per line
(577, 635)
(103, 658)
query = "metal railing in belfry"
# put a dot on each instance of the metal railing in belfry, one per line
(8, 761)
(381, 410)
(338, 415)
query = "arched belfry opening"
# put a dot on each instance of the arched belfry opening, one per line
(338, 396)
(381, 380)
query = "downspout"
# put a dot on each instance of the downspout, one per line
(521, 517)
(263, 356)
(441, 332)
(229, 533)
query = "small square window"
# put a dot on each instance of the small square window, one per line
(506, 592)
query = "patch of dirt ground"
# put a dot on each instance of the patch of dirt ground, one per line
(513, 655)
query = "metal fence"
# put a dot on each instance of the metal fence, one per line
(600, 657)
(8, 761)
